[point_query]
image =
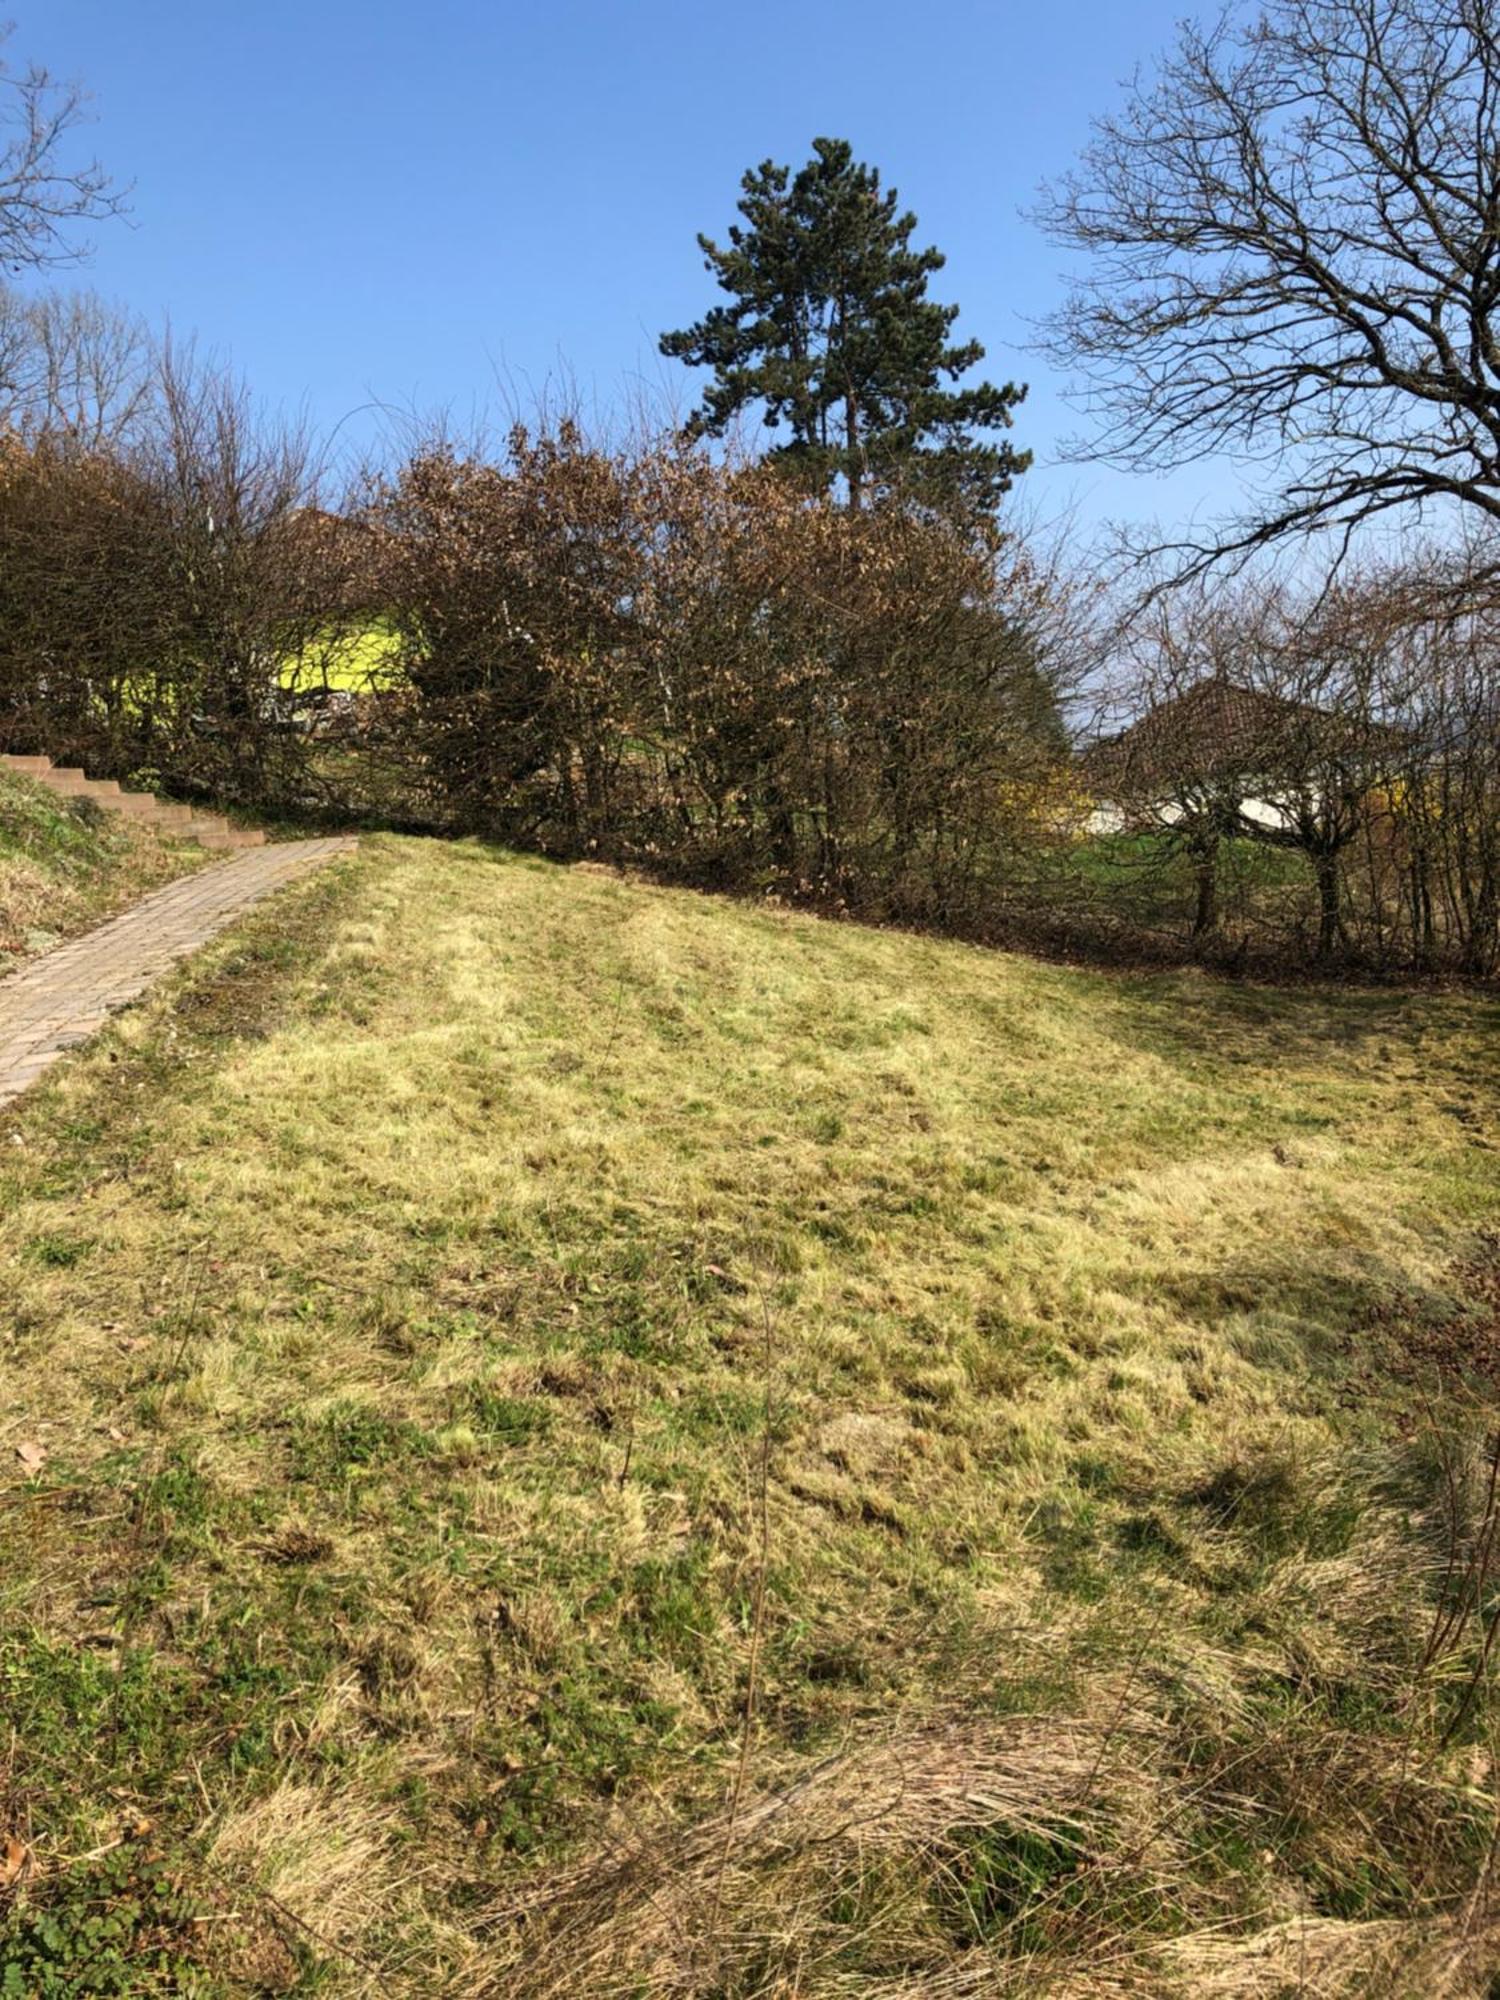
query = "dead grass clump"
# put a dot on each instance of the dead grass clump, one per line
(1312, 1958)
(322, 1854)
(864, 1443)
(691, 1910)
(1326, 1959)
(295, 1546)
(536, 1623)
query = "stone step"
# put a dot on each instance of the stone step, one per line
(184, 822)
(105, 790)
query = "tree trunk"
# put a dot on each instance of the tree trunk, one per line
(1423, 933)
(1478, 955)
(1330, 915)
(1205, 851)
(782, 829)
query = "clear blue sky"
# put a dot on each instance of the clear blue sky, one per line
(396, 201)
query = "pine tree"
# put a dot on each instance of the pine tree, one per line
(830, 329)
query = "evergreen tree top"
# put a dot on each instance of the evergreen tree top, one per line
(828, 327)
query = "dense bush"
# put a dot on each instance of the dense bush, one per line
(656, 656)
(152, 587)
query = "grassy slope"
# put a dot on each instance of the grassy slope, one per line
(398, 1300)
(65, 866)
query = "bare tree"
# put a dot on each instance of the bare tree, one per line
(1294, 235)
(72, 367)
(248, 587)
(44, 194)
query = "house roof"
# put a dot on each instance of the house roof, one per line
(1219, 728)
(337, 547)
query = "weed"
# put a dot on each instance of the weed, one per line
(117, 1926)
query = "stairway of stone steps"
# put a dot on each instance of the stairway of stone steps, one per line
(182, 822)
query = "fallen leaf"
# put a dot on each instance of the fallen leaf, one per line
(15, 1859)
(32, 1456)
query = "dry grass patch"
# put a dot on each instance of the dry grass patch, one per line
(681, 1910)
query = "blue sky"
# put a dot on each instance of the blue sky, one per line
(399, 202)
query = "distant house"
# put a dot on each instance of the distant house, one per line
(1237, 756)
(1222, 760)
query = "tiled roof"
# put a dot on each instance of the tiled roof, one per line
(1218, 728)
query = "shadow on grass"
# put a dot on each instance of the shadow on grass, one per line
(1189, 1015)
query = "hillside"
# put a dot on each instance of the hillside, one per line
(66, 865)
(566, 1438)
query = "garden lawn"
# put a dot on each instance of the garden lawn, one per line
(562, 1437)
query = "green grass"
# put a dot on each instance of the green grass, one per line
(1149, 879)
(1106, 860)
(66, 864)
(492, 1327)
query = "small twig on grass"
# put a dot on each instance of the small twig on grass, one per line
(275, 1904)
(190, 1316)
(624, 1473)
(204, 1266)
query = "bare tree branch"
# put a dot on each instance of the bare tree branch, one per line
(1294, 241)
(45, 194)
(72, 367)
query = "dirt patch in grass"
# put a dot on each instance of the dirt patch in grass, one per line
(1435, 1338)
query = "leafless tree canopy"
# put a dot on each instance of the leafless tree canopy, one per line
(45, 192)
(72, 367)
(1294, 238)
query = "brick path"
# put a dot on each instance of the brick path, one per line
(64, 998)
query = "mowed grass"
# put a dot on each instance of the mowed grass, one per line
(67, 864)
(562, 1437)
